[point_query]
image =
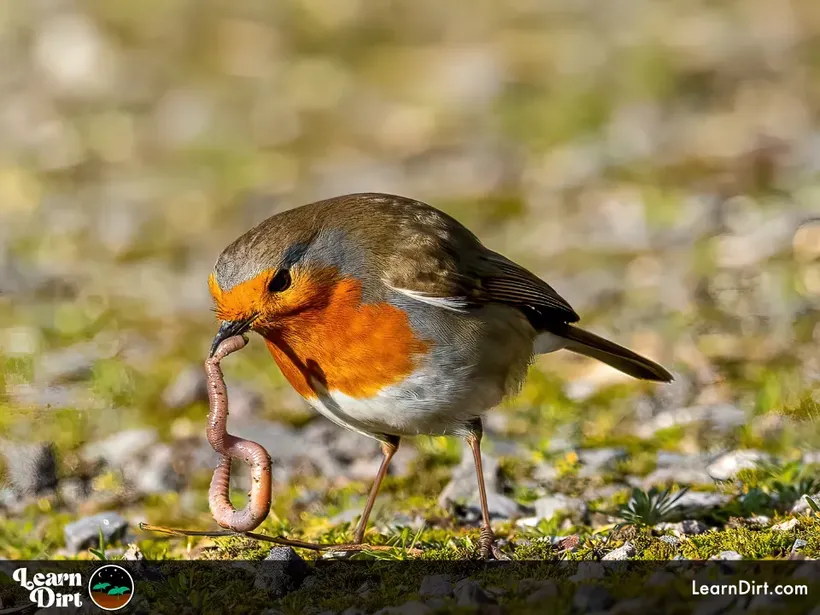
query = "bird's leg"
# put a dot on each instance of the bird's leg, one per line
(389, 447)
(486, 542)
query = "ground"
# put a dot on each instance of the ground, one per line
(657, 163)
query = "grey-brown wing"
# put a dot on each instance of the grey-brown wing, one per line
(438, 261)
(508, 282)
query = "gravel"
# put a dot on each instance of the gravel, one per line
(469, 593)
(68, 364)
(687, 527)
(286, 447)
(592, 598)
(157, 474)
(786, 526)
(596, 461)
(728, 556)
(677, 468)
(463, 485)
(84, 533)
(147, 465)
(622, 553)
(343, 445)
(121, 447)
(673, 541)
(413, 607)
(728, 465)
(720, 417)
(799, 543)
(436, 585)
(31, 468)
(701, 501)
(281, 572)
(499, 505)
(189, 387)
(538, 591)
(802, 505)
(549, 506)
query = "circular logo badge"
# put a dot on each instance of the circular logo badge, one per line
(111, 587)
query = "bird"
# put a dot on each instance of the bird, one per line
(393, 320)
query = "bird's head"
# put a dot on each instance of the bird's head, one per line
(266, 275)
(290, 265)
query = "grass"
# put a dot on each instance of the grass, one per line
(561, 116)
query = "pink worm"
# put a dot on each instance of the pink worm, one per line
(233, 447)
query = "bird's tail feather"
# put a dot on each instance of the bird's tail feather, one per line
(622, 359)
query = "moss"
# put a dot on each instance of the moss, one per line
(535, 549)
(639, 464)
(30, 539)
(657, 550)
(750, 543)
(238, 547)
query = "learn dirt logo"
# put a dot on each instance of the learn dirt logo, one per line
(111, 587)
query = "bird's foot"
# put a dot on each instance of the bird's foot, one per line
(487, 548)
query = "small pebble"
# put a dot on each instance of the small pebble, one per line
(500, 506)
(587, 571)
(463, 486)
(84, 533)
(281, 572)
(621, 553)
(118, 449)
(31, 468)
(414, 607)
(721, 417)
(599, 460)
(592, 598)
(701, 500)
(469, 593)
(549, 506)
(687, 527)
(436, 585)
(803, 506)
(545, 594)
(661, 577)
(728, 465)
(785, 526)
(728, 556)
(189, 387)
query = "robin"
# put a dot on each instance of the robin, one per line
(392, 319)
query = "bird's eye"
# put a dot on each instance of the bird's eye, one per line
(279, 282)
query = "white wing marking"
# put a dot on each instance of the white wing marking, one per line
(455, 304)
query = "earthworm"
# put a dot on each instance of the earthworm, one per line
(233, 447)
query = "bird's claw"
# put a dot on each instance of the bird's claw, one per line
(487, 549)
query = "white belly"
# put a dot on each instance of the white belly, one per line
(425, 403)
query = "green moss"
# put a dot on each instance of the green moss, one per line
(30, 539)
(238, 547)
(638, 464)
(750, 543)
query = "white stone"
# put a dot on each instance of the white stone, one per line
(728, 465)
(785, 526)
(624, 552)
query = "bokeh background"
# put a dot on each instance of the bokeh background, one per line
(657, 162)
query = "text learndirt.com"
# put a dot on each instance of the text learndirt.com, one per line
(748, 588)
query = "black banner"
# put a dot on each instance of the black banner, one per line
(291, 585)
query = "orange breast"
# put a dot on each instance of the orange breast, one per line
(353, 348)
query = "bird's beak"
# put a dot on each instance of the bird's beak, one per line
(229, 328)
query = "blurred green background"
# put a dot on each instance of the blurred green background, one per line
(658, 163)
